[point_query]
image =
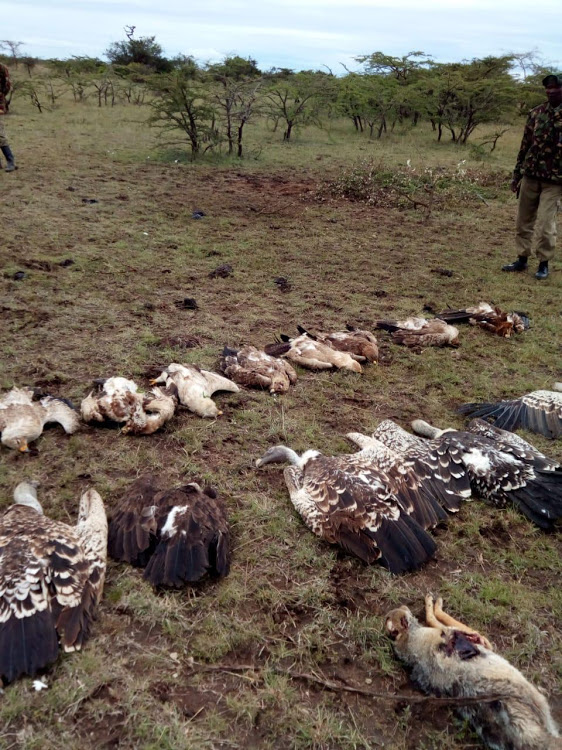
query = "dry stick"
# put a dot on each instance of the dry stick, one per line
(334, 686)
(276, 209)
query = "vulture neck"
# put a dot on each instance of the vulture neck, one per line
(26, 494)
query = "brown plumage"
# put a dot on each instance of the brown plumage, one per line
(313, 354)
(489, 318)
(117, 400)
(51, 581)
(178, 535)
(349, 502)
(448, 658)
(22, 419)
(538, 411)
(419, 332)
(251, 367)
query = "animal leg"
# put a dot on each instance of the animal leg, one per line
(430, 618)
(445, 619)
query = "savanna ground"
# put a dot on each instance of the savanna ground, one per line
(169, 670)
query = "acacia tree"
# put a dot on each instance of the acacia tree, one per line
(461, 96)
(297, 99)
(239, 83)
(144, 50)
(13, 48)
(183, 103)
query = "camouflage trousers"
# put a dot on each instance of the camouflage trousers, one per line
(3, 139)
(538, 205)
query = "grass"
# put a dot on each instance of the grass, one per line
(290, 600)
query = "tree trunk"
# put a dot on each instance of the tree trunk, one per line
(287, 133)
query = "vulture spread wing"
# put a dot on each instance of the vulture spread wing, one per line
(539, 411)
(178, 535)
(49, 590)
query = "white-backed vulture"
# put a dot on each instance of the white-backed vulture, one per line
(314, 355)
(118, 400)
(51, 580)
(489, 318)
(347, 501)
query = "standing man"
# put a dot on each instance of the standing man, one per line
(537, 180)
(5, 87)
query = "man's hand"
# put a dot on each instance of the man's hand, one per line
(515, 183)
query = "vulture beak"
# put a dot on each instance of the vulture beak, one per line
(23, 447)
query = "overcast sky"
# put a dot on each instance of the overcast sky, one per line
(299, 34)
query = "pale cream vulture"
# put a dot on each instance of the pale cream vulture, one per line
(51, 581)
(195, 387)
(538, 411)
(252, 367)
(420, 332)
(362, 345)
(22, 419)
(448, 658)
(349, 502)
(312, 354)
(177, 535)
(118, 400)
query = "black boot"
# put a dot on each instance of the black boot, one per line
(518, 265)
(11, 166)
(542, 273)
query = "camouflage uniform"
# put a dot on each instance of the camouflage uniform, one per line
(539, 168)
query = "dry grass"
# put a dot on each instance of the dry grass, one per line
(290, 601)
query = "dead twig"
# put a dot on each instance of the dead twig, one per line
(235, 669)
(275, 210)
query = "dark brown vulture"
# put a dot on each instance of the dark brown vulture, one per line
(51, 581)
(177, 535)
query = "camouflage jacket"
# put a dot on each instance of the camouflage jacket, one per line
(5, 87)
(540, 155)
